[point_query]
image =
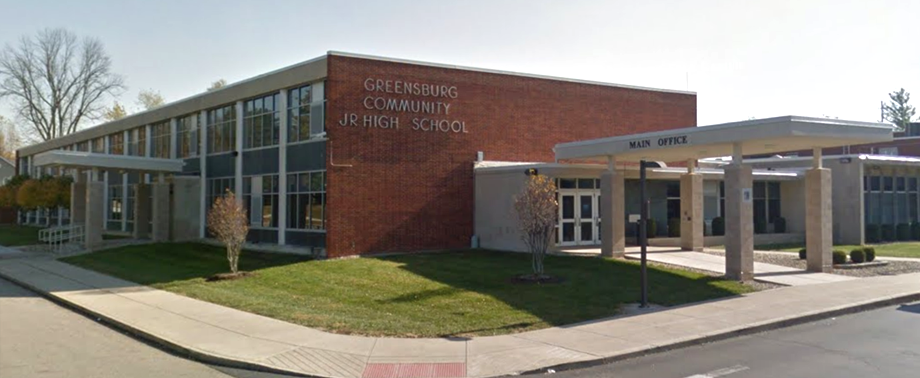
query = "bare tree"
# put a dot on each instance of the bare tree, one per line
(228, 221)
(217, 85)
(149, 99)
(536, 209)
(55, 82)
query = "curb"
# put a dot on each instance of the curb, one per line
(156, 341)
(743, 331)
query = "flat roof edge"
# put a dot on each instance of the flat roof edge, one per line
(502, 72)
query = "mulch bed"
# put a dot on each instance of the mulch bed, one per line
(229, 276)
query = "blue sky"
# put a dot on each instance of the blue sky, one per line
(743, 58)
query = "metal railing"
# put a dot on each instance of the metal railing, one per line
(59, 236)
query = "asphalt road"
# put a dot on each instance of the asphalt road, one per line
(41, 339)
(880, 343)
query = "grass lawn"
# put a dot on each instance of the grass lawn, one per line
(421, 295)
(12, 235)
(906, 249)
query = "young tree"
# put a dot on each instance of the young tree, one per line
(54, 82)
(217, 85)
(149, 99)
(536, 209)
(897, 111)
(228, 221)
(114, 113)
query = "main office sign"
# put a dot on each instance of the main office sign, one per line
(408, 105)
(677, 140)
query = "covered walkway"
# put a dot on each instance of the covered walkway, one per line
(686, 146)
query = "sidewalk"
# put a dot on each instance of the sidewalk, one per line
(772, 273)
(223, 335)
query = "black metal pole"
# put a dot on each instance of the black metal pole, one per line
(643, 233)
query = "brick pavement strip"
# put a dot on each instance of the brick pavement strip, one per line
(222, 335)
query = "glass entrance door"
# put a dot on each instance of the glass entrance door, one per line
(578, 218)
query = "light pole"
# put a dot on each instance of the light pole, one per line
(643, 230)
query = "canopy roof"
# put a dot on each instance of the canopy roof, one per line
(87, 160)
(757, 137)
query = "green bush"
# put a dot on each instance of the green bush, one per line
(903, 232)
(858, 255)
(718, 226)
(915, 231)
(674, 227)
(779, 225)
(802, 254)
(760, 226)
(873, 233)
(840, 257)
(888, 232)
(870, 253)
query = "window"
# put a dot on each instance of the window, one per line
(673, 200)
(116, 210)
(891, 151)
(83, 146)
(117, 143)
(221, 129)
(187, 136)
(159, 140)
(260, 196)
(99, 145)
(307, 201)
(137, 141)
(217, 187)
(260, 122)
(306, 116)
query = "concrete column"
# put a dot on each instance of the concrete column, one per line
(739, 223)
(238, 187)
(613, 208)
(691, 209)
(203, 161)
(78, 199)
(94, 210)
(818, 218)
(184, 208)
(282, 168)
(141, 210)
(160, 210)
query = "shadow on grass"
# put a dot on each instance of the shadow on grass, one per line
(151, 264)
(593, 288)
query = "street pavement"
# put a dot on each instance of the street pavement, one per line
(880, 343)
(41, 339)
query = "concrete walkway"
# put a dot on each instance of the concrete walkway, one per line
(219, 334)
(771, 273)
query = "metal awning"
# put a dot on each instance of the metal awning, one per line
(756, 137)
(88, 160)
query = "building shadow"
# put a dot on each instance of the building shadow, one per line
(912, 308)
(592, 288)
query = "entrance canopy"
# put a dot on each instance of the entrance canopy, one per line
(87, 160)
(755, 137)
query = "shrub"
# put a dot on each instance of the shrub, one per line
(915, 231)
(888, 232)
(674, 227)
(870, 253)
(840, 257)
(779, 225)
(760, 226)
(873, 233)
(802, 254)
(718, 226)
(903, 232)
(857, 256)
(651, 228)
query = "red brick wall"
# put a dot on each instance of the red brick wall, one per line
(412, 190)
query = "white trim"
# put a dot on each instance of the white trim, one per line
(260, 148)
(311, 140)
(203, 169)
(173, 139)
(500, 72)
(238, 185)
(88, 160)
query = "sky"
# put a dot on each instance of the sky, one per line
(744, 59)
